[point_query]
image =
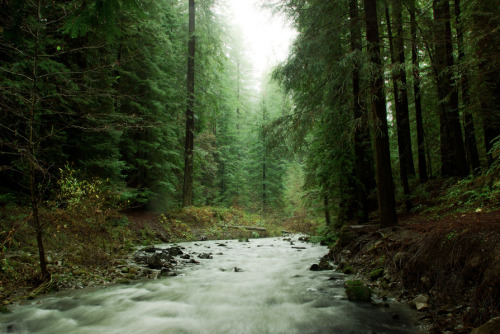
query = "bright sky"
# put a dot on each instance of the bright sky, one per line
(267, 37)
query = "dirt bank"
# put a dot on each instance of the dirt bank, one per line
(454, 261)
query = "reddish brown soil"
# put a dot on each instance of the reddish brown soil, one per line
(454, 259)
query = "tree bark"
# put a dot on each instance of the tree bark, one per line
(187, 193)
(264, 161)
(328, 220)
(32, 144)
(403, 137)
(422, 167)
(403, 93)
(362, 145)
(470, 136)
(486, 20)
(385, 185)
(453, 162)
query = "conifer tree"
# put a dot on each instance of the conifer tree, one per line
(187, 192)
(385, 187)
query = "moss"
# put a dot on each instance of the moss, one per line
(4, 309)
(348, 270)
(357, 291)
(377, 273)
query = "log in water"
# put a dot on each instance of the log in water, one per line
(261, 286)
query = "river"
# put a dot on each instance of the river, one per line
(272, 291)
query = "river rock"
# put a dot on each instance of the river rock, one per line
(421, 306)
(174, 251)
(491, 327)
(154, 262)
(141, 257)
(185, 256)
(325, 265)
(377, 273)
(420, 301)
(164, 256)
(205, 256)
(357, 291)
(149, 249)
(315, 267)
(238, 270)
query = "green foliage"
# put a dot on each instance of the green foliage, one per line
(8, 269)
(176, 229)
(74, 191)
(99, 15)
(326, 235)
(473, 193)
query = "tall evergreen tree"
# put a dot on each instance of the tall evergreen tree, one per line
(385, 187)
(187, 192)
(453, 161)
(402, 116)
(422, 166)
(363, 160)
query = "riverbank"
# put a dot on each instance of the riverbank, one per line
(450, 264)
(246, 287)
(87, 247)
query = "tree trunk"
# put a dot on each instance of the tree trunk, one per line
(32, 144)
(470, 136)
(187, 193)
(385, 185)
(362, 145)
(453, 161)
(486, 20)
(328, 220)
(264, 158)
(403, 93)
(422, 167)
(264, 181)
(400, 119)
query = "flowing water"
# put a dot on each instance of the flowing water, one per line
(272, 291)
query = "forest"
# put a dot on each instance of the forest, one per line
(116, 110)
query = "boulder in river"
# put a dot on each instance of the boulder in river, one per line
(323, 265)
(174, 251)
(357, 291)
(155, 262)
(315, 267)
(205, 256)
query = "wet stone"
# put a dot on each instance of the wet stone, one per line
(174, 251)
(205, 256)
